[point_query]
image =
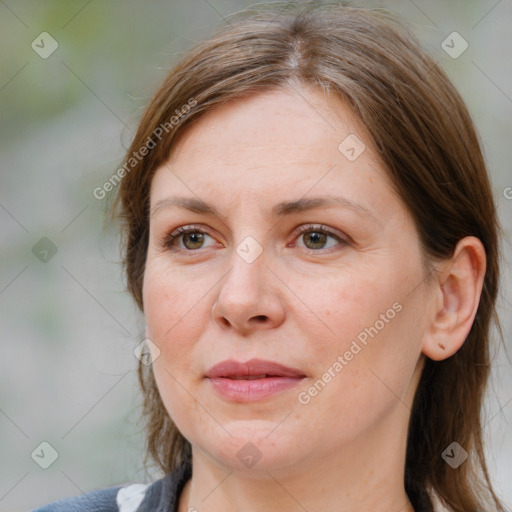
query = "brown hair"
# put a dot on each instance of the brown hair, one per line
(428, 145)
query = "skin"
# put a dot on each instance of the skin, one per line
(301, 303)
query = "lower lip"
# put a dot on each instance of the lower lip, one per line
(239, 390)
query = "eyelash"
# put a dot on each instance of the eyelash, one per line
(169, 240)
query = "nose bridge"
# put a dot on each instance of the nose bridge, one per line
(249, 231)
(248, 269)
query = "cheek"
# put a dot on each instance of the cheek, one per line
(187, 413)
(346, 309)
(175, 311)
(174, 314)
(365, 360)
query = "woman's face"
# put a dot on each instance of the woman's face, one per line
(305, 257)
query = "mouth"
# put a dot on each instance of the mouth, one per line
(252, 369)
(252, 380)
(250, 377)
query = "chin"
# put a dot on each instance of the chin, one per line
(251, 449)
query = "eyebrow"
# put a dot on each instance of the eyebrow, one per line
(279, 210)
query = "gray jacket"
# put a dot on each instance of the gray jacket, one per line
(160, 496)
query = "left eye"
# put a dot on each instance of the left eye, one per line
(317, 237)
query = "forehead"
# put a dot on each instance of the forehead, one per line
(280, 143)
(299, 120)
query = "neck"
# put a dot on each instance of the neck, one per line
(365, 476)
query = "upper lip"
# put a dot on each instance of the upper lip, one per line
(254, 367)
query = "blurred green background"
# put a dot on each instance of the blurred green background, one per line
(68, 329)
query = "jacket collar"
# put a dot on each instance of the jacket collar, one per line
(164, 494)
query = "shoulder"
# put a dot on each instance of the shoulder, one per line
(114, 499)
(103, 500)
(128, 498)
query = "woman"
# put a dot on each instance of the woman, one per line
(311, 236)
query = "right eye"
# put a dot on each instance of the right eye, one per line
(192, 238)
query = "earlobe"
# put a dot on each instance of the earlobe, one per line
(458, 291)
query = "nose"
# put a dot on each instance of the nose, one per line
(249, 297)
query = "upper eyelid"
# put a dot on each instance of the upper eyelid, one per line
(300, 228)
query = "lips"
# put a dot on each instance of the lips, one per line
(252, 369)
(252, 380)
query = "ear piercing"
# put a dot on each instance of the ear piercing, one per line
(441, 346)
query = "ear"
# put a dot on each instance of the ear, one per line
(457, 292)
